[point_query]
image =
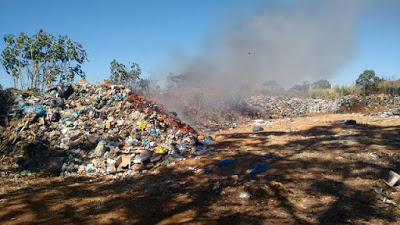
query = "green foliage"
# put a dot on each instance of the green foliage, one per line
(177, 81)
(143, 86)
(42, 59)
(324, 94)
(344, 90)
(147, 87)
(321, 84)
(121, 74)
(10, 58)
(271, 87)
(368, 81)
(304, 87)
(389, 87)
(300, 90)
(336, 92)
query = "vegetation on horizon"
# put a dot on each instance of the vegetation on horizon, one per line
(38, 61)
(366, 84)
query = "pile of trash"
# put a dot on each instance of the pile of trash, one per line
(380, 105)
(209, 112)
(85, 129)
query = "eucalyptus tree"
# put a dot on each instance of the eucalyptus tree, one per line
(10, 58)
(42, 59)
(121, 74)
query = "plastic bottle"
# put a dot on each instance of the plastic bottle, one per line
(259, 168)
(225, 162)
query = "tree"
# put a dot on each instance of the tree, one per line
(368, 81)
(304, 87)
(272, 87)
(120, 73)
(10, 58)
(177, 80)
(41, 59)
(65, 60)
(321, 84)
(143, 86)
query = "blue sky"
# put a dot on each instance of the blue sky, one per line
(148, 32)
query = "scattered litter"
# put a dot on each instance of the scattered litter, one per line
(225, 162)
(350, 122)
(259, 168)
(393, 178)
(346, 155)
(258, 128)
(244, 195)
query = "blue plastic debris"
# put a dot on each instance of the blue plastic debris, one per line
(38, 110)
(208, 141)
(259, 168)
(22, 105)
(225, 162)
(120, 96)
(11, 112)
(182, 147)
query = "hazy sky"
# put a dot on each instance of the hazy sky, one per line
(154, 32)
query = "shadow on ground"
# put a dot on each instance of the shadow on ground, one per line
(300, 188)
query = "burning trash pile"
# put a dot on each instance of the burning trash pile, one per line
(288, 106)
(207, 112)
(83, 128)
(210, 112)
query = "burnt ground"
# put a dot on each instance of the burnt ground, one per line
(321, 171)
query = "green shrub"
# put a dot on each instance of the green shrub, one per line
(389, 87)
(336, 92)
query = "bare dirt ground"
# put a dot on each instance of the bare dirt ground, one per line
(321, 171)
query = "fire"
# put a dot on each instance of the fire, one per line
(143, 105)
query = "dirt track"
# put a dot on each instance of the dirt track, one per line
(321, 171)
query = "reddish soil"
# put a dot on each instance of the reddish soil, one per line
(321, 171)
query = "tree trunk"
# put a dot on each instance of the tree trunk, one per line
(15, 82)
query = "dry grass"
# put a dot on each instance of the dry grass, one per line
(336, 92)
(389, 87)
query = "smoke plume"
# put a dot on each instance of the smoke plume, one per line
(307, 40)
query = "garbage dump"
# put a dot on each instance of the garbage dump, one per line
(207, 111)
(86, 129)
(380, 105)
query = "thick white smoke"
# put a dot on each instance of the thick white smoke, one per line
(307, 40)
